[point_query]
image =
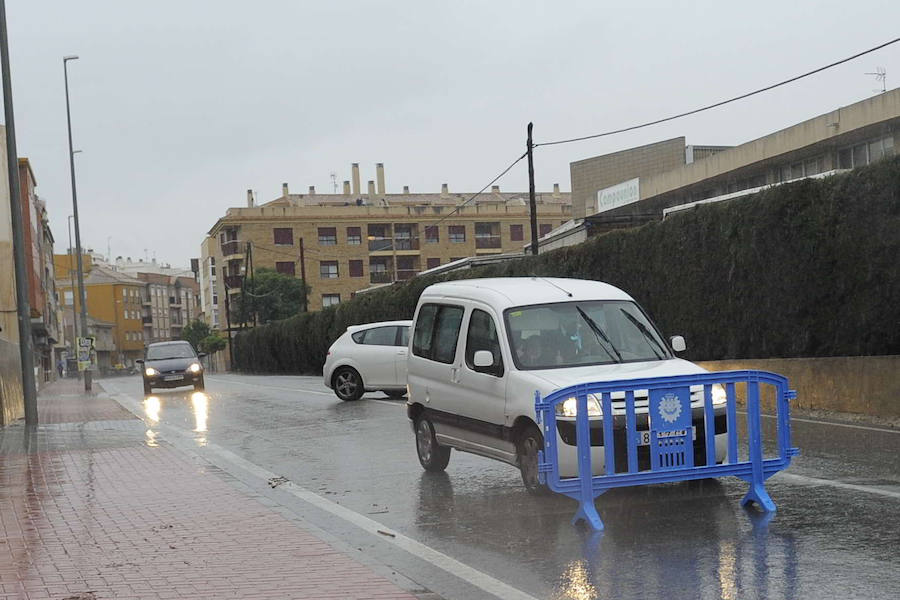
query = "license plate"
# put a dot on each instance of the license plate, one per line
(173, 377)
(644, 436)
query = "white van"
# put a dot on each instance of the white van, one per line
(481, 348)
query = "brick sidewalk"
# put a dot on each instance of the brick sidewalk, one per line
(89, 509)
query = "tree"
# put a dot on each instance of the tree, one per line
(212, 343)
(269, 296)
(195, 332)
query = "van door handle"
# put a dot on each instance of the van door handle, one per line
(454, 374)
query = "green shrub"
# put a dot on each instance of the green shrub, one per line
(805, 269)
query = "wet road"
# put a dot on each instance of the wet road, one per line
(474, 532)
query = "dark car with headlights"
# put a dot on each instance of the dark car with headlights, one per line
(170, 365)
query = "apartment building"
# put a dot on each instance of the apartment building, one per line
(352, 240)
(114, 300)
(168, 304)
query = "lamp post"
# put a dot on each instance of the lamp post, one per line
(72, 281)
(23, 309)
(81, 296)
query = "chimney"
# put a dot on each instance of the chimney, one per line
(556, 190)
(495, 189)
(249, 198)
(445, 191)
(379, 177)
(371, 189)
(406, 189)
(346, 188)
(356, 179)
(284, 190)
(312, 190)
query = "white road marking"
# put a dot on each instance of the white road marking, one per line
(274, 387)
(878, 429)
(804, 480)
(417, 549)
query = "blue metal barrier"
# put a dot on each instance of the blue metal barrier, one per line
(670, 433)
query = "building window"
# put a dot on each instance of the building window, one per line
(285, 268)
(124, 292)
(432, 234)
(356, 268)
(487, 235)
(328, 269)
(354, 236)
(516, 233)
(457, 233)
(215, 300)
(283, 236)
(67, 297)
(544, 229)
(433, 262)
(330, 299)
(212, 266)
(327, 236)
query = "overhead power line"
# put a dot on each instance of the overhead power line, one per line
(723, 102)
(457, 208)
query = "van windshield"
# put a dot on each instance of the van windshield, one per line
(574, 334)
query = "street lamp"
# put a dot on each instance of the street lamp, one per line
(81, 295)
(72, 281)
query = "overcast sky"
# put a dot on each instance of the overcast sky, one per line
(180, 106)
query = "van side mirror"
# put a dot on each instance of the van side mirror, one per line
(483, 358)
(139, 361)
(201, 355)
(678, 344)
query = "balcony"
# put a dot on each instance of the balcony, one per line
(380, 277)
(230, 248)
(233, 282)
(487, 241)
(406, 243)
(174, 302)
(404, 274)
(379, 244)
(147, 320)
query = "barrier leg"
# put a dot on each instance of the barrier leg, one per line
(757, 492)
(586, 509)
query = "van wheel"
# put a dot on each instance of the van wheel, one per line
(348, 384)
(432, 456)
(530, 442)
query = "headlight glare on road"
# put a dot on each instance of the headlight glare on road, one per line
(195, 368)
(569, 407)
(150, 372)
(719, 396)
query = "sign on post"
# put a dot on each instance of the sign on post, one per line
(85, 353)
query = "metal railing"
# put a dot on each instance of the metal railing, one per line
(673, 419)
(229, 248)
(380, 277)
(487, 241)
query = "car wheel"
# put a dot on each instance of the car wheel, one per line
(530, 442)
(432, 456)
(147, 388)
(395, 395)
(348, 384)
(200, 385)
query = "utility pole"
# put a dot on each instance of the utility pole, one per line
(303, 275)
(23, 308)
(72, 281)
(532, 203)
(228, 320)
(81, 294)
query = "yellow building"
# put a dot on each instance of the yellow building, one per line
(112, 297)
(354, 240)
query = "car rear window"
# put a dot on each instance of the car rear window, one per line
(377, 336)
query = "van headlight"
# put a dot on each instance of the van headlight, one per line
(150, 372)
(194, 368)
(719, 396)
(569, 407)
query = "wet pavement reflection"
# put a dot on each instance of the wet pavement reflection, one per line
(682, 540)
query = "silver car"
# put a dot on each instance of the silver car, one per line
(369, 358)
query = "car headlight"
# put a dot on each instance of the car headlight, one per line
(150, 371)
(719, 396)
(195, 368)
(569, 407)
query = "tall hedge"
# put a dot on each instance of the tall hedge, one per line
(805, 269)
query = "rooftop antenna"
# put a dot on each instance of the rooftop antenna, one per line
(334, 181)
(880, 75)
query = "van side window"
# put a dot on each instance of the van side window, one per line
(437, 332)
(482, 335)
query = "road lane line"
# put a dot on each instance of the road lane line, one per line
(415, 548)
(273, 387)
(805, 480)
(878, 429)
